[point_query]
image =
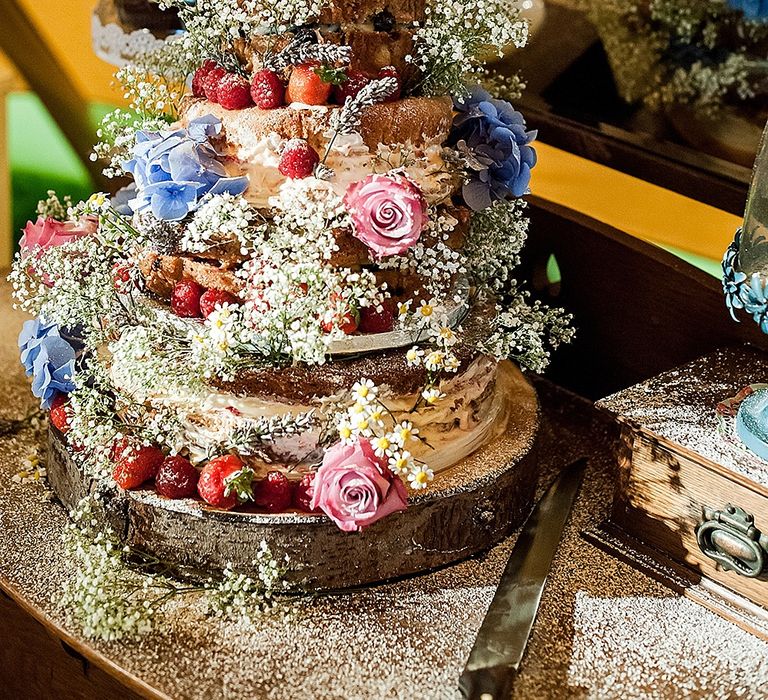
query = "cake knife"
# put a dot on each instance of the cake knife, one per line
(495, 658)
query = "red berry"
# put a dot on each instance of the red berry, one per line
(198, 79)
(185, 299)
(212, 487)
(267, 90)
(391, 72)
(60, 412)
(302, 494)
(176, 478)
(234, 92)
(274, 492)
(119, 448)
(210, 82)
(373, 321)
(121, 276)
(356, 81)
(213, 297)
(137, 466)
(306, 86)
(298, 159)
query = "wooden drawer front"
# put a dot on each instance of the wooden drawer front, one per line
(662, 501)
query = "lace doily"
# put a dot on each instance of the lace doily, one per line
(113, 44)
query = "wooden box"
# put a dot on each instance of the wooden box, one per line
(691, 502)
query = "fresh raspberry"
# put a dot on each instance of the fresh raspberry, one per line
(356, 81)
(298, 159)
(176, 478)
(346, 322)
(267, 90)
(121, 276)
(60, 413)
(198, 79)
(210, 82)
(392, 72)
(302, 494)
(307, 86)
(137, 466)
(373, 321)
(213, 297)
(274, 492)
(234, 92)
(224, 482)
(185, 299)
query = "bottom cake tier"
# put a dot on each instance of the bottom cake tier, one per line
(469, 507)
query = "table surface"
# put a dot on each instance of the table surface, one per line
(604, 630)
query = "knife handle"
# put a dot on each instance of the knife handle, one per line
(491, 683)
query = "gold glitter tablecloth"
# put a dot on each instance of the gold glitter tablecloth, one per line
(603, 631)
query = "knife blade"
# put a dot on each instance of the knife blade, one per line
(500, 644)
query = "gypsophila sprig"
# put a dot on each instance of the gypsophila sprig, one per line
(302, 50)
(222, 219)
(240, 596)
(54, 207)
(450, 44)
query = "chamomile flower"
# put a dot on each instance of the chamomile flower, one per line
(356, 410)
(401, 462)
(413, 356)
(447, 336)
(404, 432)
(383, 446)
(346, 434)
(426, 310)
(432, 396)
(363, 426)
(364, 391)
(376, 415)
(451, 362)
(403, 307)
(419, 476)
(435, 360)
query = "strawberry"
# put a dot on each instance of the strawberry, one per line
(306, 85)
(185, 299)
(274, 492)
(198, 79)
(234, 92)
(302, 494)
(225, 482)
(392, 72)
(210, 82)
(176, 478)
(267, 90)
(298, 159)
(137, 466)
(373, 321)
(60, 412)
(120, 448)
(211, 298)
(341, 315)
(355, 81)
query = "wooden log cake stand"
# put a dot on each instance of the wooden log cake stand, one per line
(468, 508)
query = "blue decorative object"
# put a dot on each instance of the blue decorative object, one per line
(492, 137)
(752, 422)
(174, 170)
(48, 358)
(32, 335)
(752, 9)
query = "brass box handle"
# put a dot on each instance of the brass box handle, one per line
(730, 538)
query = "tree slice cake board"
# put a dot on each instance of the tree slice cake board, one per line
(470, 507)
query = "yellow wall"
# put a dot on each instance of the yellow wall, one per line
(66, 26)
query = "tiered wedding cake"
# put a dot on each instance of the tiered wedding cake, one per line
(303, 303)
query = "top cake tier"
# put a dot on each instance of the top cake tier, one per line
(366, 12)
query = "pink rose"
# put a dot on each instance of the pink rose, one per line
(354, 487)
(48, 233)
(388, 213)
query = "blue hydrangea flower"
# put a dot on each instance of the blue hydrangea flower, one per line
(48, 358)
(492, 137)
(173, 170)
(752, 9)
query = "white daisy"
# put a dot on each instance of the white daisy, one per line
(419, 476)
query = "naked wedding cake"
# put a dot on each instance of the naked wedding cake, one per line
(299, 315)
